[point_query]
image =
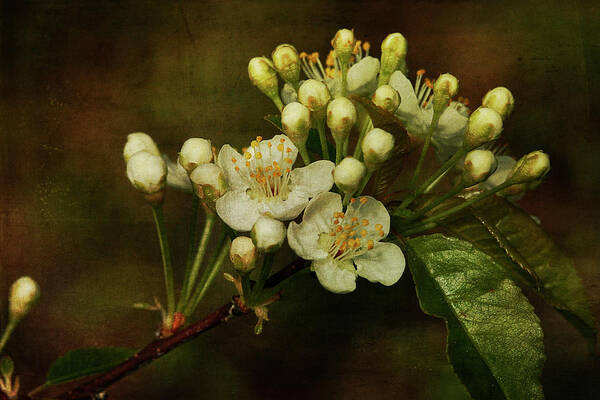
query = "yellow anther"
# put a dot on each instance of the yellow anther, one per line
(363, 200)
(338, 228)
(259, 155)
(330, 72)
(259, 138)
(280, 147)
(429, 83)
(336, 221)
(282, 140)
(365, 222)
(370, 244)
(356, 243)
(351, 243)
(367, 46)
(343, 246)
(466, 101)
(269, 144)
(288, 150)
(356, 47)
(331, 233)
(247, 155)
(330, 61)
(288, 170)
(233, 160)
(248, 164)
(353, 219)
(254, 144)
(269, 168)
(363, 233)
(378, 227)
(352, 200)
(421, 72)
(352, 233)
(303, 55)
(314, 57)
(347, 227)
(275, 163)
(381, 233)
(237, 168)
(289, 160)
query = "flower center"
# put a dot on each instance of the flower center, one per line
(267, 179)
(350, 236)
(312, 67)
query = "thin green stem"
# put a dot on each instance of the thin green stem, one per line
(209, 274)
(366, 126)
(419, 229)
(339, 150)
(277, 102)
(159, 220)
(434, 203)
(364, 182)
(323, 138)
(10, 327)
(346, 144)
(304, 153)
(347, 198)
(425, 149)
(344, 68)
(191, 247)
(460, 207)
(446, 166)
(200, 253)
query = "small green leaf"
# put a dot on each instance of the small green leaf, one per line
(83, 362)
(495, 342)
(7, 366)
(275, 120)
(520, 244)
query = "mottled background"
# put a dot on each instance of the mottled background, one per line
(78, 76)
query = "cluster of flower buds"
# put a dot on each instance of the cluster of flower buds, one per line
(295, 121)
(485, 125)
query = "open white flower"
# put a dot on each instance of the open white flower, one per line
(417, 112)
(263, 182)
(338, 241)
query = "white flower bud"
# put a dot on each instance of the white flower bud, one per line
(194, 152)
(341, 117)
(295, 121)
(343, 44)
(242, 254)
(393, 53)
(478, 166)
(139, 141)
(531, 167)
(147, 172)
(484, 126)
(268, 234)
(387, 98)
(287, 63)
(377, 147)
(24, 292)
(263, 75)
(349, 174)
(314, 95)
(447, 84)
(209, 181)
(501, 100)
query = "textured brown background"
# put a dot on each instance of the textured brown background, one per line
(78, 76)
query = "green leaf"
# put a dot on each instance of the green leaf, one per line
(83, 362)
(520, 244)
(495, 342)
(7, 367)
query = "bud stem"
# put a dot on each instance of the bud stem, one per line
(364, 182)
(427, 223)
(304, 153)
(365, 127)
(10, 327)
(159, 220)
(344, 68)
(277, 102)
(209, 274)
(339, 150)
(200, 252)
(433, 204)
(267, 262)
(191, 247)
(446, 166)
(322, 137)
(432, 128)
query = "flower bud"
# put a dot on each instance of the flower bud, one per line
(209, 182)
(24, 293)
(287, 63)
(501, 100)
(484, 126)
(314, 95)
(341, 117)
(343, 43)
(295, 121)
(444, 88)
(387, 98)
(268, 234)
(531, 167)
(242, 254)
(194, 152)
(349, 174)
(393, 53)
(478, 166)
(263, 75)
(377, 147)
(147, 172)
(139, 141)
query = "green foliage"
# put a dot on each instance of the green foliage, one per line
(7, 367)
(84, 362)
(518, 243)
(495, 342)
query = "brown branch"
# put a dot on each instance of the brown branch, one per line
(160, 347)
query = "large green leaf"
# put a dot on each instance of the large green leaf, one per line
(495, 342)
(83, 362)
(520, 244)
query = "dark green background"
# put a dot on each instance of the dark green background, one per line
(78, 76)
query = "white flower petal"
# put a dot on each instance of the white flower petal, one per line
(283, 210)
(238, 210)
(384, 264)
(448, 137)
(505, 165)
(409, 104)
(304, 240)
(288, 94)
(362, 76)
(337, 277)
(272, 153)
(319, 212)
(177, 176)
(236, 179)
(315, 178)
(373, 211)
